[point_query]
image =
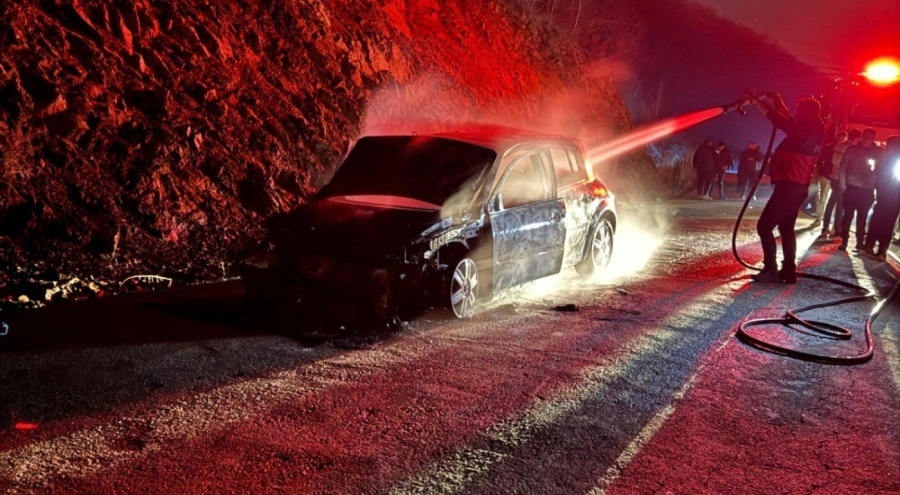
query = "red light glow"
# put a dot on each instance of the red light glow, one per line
(650, 133)
(23, 426)
(883, 71)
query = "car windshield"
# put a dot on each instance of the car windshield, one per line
(424, 168)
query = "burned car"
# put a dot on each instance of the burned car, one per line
(412, 222)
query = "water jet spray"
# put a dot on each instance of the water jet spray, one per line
(658, 130)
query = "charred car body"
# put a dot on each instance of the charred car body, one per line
(445, 220)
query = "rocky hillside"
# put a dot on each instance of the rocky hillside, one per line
(157, 137)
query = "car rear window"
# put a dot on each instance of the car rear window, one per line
(420, 167)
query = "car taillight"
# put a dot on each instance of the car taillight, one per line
(598, 189)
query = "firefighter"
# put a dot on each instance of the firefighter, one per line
(791, 173)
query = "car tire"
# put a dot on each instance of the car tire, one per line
(464, 285)
(599, 249)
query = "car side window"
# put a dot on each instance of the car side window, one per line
(577, 162)
(544, 164)
(566, 166)
(528, 179)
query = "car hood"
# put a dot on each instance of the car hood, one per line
(361, 228)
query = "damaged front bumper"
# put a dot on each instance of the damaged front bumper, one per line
(337, 292)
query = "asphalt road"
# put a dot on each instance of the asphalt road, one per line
(642, 389)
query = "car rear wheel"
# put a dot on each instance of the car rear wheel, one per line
(599, 249)
(464, 288)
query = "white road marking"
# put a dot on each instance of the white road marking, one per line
(649, 430)
(467, 464)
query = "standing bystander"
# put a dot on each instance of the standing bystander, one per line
(857, 183)
(887, 200)
(705, 164)
(836, 201)
(749, 165)
(824, 169)
(724, 160)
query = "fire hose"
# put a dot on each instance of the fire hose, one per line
(791, 318)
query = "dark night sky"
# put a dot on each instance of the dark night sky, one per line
(694, 61)
(836, 36)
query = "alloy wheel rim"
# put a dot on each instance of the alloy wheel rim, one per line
(464, 288)
(602, 246)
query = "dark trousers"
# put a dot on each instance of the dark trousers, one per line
(857, 201)
(881, 228)
(745, 181)
(704, 182)
(836, 205)
(781, 211)
(720, 182)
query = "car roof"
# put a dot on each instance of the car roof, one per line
(498, 138)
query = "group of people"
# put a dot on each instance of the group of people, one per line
(711, 163)
(852, 173)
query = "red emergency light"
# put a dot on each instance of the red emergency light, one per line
(882, 71)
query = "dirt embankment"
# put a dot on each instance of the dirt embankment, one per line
(157, 137)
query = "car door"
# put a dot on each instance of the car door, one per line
(527, 221)
(571, 181)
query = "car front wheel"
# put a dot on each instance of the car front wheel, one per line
(464, 288)
(599, 249)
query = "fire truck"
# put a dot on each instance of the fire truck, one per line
(870, 98)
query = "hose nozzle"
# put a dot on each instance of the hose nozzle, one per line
(738, 105)
(745, 99)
